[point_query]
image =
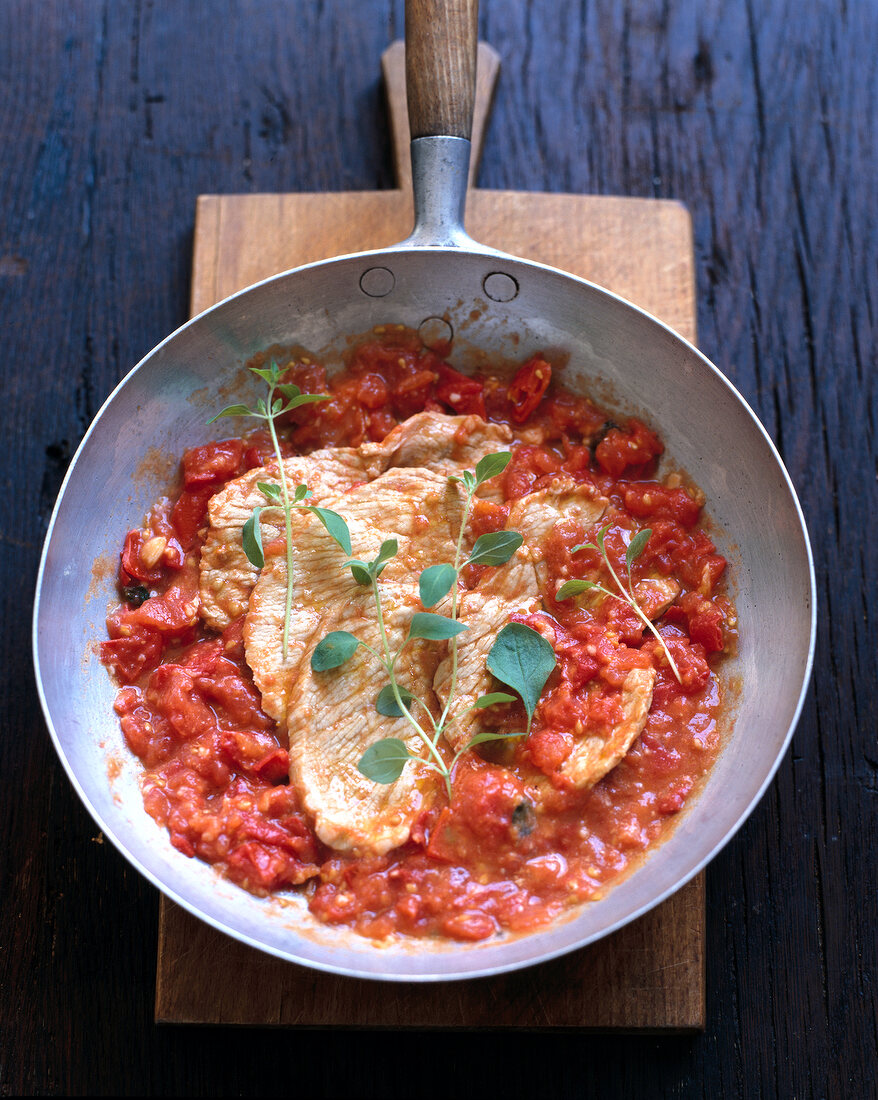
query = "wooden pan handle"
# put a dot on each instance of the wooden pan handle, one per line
(441, 38)
(393, 68)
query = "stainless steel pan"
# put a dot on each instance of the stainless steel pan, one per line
(164, 403)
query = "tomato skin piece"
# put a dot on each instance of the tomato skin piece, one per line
(634, 446)
(528, 386)
(132, 563)
(465, 395)
(189, 514)
(212, 462)
(129, 657)
(651, 499)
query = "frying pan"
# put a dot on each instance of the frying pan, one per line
(509, 306)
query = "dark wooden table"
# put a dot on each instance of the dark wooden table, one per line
(763, 118)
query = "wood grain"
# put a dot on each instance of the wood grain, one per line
(763, 119)
(441, 66)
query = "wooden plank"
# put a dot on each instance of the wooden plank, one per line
(648, 977)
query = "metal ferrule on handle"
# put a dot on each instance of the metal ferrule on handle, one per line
(440, 167)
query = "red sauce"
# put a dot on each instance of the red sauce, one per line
(215, 767)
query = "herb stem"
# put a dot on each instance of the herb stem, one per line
(440, 726)
(389, 661)
(633, 604)
(288, 520)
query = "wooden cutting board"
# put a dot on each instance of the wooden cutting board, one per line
(650, 975)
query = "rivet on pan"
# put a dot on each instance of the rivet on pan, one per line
(377, 282)
(435, 332)
(500, 287)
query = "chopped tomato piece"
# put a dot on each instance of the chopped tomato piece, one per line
(528, 386)
(189, 514)
(213, 462)
(461, 393)
(129, 657)
(632, 447)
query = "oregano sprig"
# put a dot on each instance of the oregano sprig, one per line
(633, 551)
(520, 657)
(277, 495)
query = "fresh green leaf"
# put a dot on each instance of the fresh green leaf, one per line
(288, 389)
(487, 735)
(276, 406)
(573, 588)
(600, 536)
(270, 491)
(335, 525)
(435, 628)
(435, 583)
(522, 659)
(386, 703)
(360, 572)
(469, 480)
(383, 762)
(389, 549)
(495, 548)
(305, 399)
(265, 374)
(493, 697)
(302, 493)
(636, 546)
(233, 410)
(491, 465)
(261, 408)
(251, 539)
(584, 546)
(337, 647)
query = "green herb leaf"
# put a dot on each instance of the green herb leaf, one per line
(360, 572)
(491, 465)
(573, 588)
(584, 546)
(383, 762)
(386, 703)
(261, 408)
(305, 399)
(233, 410)
(335, 525)
(435, 583)
(469, 480)
(337, 647)
(495, 548)
(389, 549)
(265, 374)
(302, 493)
(289, 390)
(636, 546)
(251, 539)
(486, 735)
(493, 697)
(270, 491)
(435, 628)
(522, 659)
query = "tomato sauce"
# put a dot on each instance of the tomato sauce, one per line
(517, 845)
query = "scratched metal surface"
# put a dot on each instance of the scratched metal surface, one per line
(763, 119)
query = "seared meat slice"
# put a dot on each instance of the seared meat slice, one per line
(226, 576)
(329, 716)
(655, 595)
(514, 587)
(445, 444)
(592, 756)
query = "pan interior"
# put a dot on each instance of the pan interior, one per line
(499, 309)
